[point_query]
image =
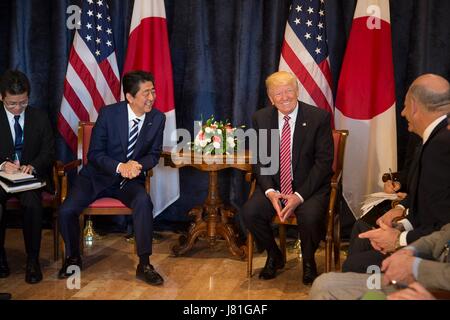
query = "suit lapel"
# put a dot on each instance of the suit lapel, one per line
(28, 127)
(143, 133)
(301, 126)
(122, 124)
(6, 130)
(274, 125)
(413, 177)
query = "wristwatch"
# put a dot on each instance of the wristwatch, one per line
(397, 245)
(399, 226)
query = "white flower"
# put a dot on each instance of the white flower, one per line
(208, 130)
(230, 142)
(203, 143)
(219, 132)
(216, 145)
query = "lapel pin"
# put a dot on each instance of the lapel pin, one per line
(304, 124)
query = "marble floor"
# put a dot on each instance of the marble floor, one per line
(109, 273)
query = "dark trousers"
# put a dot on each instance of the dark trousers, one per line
(31, 208)
(257, 214)
(361, 254)
(82, 193)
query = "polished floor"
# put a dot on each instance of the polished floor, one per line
(109, 273)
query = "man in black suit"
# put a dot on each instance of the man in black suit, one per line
(27, 146)
(302, 184)
(427, 206)
(126, 142)
(4, 295)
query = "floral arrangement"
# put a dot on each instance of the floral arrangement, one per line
(216, 138)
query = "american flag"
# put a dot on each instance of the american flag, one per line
(92, 78)
(305, 52)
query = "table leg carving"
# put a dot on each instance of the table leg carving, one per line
(186, 243)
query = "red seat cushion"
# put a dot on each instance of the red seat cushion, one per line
(13, 201)
(47, 199)
(107, 203)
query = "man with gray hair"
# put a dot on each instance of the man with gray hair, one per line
(427, 206)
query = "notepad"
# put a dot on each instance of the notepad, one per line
(17, 177)
(11, 188)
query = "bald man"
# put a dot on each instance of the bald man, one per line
(427, 207)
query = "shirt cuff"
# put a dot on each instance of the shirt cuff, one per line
(2, 165)
(406, 224)
(298, 195)
(270, 190)
(117, 168)
(415, 269)
(402, 240)
(411, 248)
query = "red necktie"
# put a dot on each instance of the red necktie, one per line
(285, 158)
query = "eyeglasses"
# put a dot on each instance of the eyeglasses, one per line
(11, 105)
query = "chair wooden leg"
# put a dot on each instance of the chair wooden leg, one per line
(328, 254)
(62, 247)
(337, 243)
(250, 254)
(282, 234)
(55, 237)
(81, 219)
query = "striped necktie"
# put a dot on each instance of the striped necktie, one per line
(18, 143)
(285, 159)
(132, 140)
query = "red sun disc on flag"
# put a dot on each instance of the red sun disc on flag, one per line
(366, 78)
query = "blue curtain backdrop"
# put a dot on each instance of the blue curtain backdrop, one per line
(221, 52)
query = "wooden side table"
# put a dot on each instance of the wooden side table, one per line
(212, 218)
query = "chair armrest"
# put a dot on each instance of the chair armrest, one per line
(148, 175)
(251, 178)
(61, 170)
(64, 168)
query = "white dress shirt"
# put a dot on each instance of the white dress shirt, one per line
(11, 122)
(131, 117)
(293, 118)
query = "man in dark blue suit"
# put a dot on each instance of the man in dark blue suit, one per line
(126, 141)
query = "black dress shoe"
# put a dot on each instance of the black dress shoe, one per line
(4, 269)
(309, 272)
(273, 263)
(148, 274)
(33, 272)
(69, 261)
(5, 296)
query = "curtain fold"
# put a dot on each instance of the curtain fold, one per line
(222, 51)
